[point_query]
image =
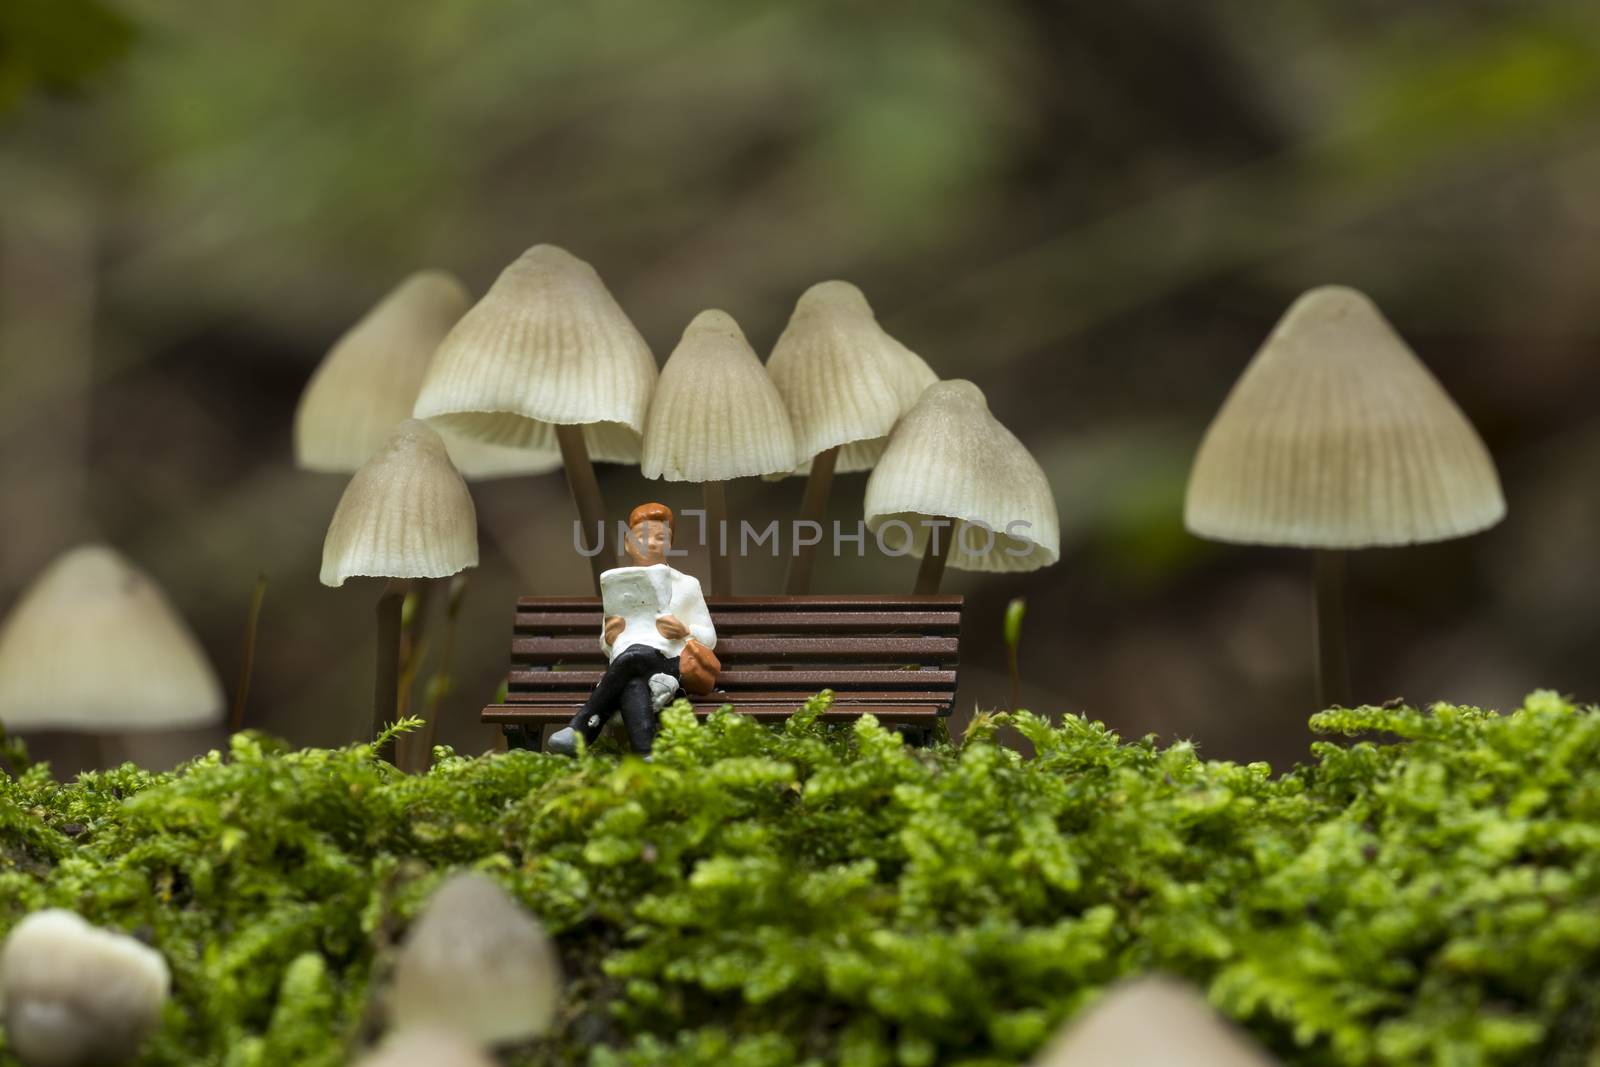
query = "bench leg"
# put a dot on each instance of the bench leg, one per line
(518, 736)
(915, 736)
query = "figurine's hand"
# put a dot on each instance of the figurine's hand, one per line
(615, 624)
(669, 627)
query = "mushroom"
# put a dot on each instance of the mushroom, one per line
(716, 416)
(1337, 437)
(477, 963)
(368, 383)
(547, 360)
(949, 463)
(426, 1047)
(1152, 1022)
(78, 996)
(406, 514)
(846, 383)
(94, 645)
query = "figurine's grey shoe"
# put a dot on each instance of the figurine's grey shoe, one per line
(564, 742)
(663, 687)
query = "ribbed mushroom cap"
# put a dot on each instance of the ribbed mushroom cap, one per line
(844, 379)
(426, 1047)
(369, 381)
(1337, 436)
(716, 415)
(477, 963)
(95, 645)
(950, 458)
(546, 346)
(406, 514)
(78, 996)
(1152, 1022)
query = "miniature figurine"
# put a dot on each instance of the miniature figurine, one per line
(656, 632)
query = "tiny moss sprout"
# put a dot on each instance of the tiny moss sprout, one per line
(1015, 610)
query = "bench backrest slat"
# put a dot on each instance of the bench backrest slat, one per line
(730, 623)
(884, 649)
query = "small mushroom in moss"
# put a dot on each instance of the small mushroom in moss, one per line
(78, 996)
(846, 383)
(1337, 437)
(368, 383)
(406, 514)
(477, 963)
(716, 416)
(94, 645)
(547, 361)
(426, 1047)
(1152, 1022)
(957, 488)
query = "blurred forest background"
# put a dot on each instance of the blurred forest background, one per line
(1094, 211)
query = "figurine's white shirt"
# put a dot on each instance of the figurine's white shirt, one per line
(641, 595)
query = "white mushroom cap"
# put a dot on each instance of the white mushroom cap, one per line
(844, 379)
(949, 458)
(426, 1047)
(546, 346)
(716, 415)
(476, 962)
(1337, 436)
(95, 645)
(1152, 1022)
(78, 996)
(406, 514)
(369, 380)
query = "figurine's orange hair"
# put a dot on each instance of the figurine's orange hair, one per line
(651, 513)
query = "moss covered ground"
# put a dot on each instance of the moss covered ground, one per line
(1424, 889)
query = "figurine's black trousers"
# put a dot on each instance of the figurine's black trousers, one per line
(626, 685)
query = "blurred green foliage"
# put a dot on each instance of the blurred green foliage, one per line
(814, 894)
(57, 46)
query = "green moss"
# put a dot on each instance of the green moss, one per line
(757, 898)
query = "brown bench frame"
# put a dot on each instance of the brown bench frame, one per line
(895, 657)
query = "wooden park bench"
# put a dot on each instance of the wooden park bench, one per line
(892, 656)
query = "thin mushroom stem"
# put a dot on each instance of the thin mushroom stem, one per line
(931, 573)
(440, 684)
(386, 681)
(716, 504)
(241, 696)
(1333, 665)
(819, 483)
(586, 496)
(414, 622)
(413, 629)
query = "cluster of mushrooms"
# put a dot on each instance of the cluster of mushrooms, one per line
(429, 391)
(547, 371)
